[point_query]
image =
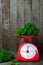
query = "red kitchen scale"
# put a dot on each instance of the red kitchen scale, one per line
(27, 51)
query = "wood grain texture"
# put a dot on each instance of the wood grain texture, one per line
(5, 22)
(36, 20)
(41, 16)
(27, 10)
(0, 25)
(20, 13)
(41, 26)
(20, 16)
(13, 15)
(13, 25)
(35, 12)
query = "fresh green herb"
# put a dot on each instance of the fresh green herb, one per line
(28, 30)
(5, 56)
(14, 62)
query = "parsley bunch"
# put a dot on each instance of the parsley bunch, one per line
(29, 29)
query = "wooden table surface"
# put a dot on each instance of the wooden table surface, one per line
(31, 63)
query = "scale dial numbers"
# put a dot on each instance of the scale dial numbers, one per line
(31, 51)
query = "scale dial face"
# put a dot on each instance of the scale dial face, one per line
(28, 51)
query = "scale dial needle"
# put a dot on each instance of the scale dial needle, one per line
(27, 51)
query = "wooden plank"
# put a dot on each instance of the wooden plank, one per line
(20, 16)
(27, 9)
(41, 16)
(41, 25)
(5, 21)
(13, 25)
(0, 25)
(35, 12)
(36, 18)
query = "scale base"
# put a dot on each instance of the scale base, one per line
(20, 59)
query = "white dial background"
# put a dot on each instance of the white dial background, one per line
(32, 51)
